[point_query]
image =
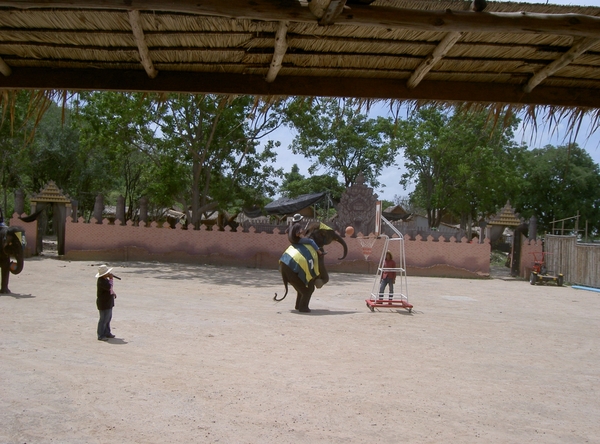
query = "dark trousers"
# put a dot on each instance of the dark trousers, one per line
(104, 323)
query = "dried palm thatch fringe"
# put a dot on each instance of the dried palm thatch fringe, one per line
(535, 117)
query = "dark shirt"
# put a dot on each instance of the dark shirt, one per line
(104, 299)
(294, 233)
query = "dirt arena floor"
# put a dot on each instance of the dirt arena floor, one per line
(203, 354)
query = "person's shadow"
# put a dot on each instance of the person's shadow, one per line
(18, 295)
(116, 341)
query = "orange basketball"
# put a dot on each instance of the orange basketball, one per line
(13, 266)
(349, 230)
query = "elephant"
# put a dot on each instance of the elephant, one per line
(13, 242)
(296, 275)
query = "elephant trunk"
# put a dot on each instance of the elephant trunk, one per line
(341, 240)
(18, 266)
(15, 247)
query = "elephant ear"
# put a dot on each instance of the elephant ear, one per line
(322, 226)
(311, 228)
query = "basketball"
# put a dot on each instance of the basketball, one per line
(349, 230)
(13, 266)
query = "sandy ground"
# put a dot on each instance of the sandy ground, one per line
(203, 354)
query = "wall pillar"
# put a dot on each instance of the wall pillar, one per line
(98, 208)
(19, 202)
(143, 211)
(120, 211)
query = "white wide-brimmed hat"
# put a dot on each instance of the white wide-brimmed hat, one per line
(297, 218)
(103, 270)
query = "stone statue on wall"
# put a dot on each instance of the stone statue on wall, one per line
(19, 202)
(357, 208)
(99, 208)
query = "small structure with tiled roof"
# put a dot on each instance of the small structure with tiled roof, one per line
(507, 217)
(52, 196)
(51, 193)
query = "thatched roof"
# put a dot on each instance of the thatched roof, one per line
(420, 50)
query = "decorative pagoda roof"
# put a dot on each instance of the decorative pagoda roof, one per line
(507, 217)
(51, 193)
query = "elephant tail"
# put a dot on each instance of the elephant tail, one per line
(285, 294)
(285, 284)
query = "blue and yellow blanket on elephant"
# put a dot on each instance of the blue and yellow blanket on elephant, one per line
(303, 260)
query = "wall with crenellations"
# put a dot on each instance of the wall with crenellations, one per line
(110, 243)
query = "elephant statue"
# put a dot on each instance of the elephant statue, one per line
(12, 240)
(302, 266)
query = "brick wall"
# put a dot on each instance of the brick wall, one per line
(106, 242)
(528, 247)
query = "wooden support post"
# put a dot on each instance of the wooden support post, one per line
(138, 33)
(4, 68)
(326, 10)
(581, 46)
(280, 50)
(440, 51)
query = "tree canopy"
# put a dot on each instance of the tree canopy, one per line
(462, 163)
(199, 152)
(559, 183)
(337, 137)
(203, 151)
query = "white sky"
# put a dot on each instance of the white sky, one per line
(391, 176)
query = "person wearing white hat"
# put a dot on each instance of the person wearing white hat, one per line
(105, 301)
(296, 232)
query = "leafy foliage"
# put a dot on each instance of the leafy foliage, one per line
(295, 184)
(337, 137)
(200, 150)
(463, 164)
(559, 183)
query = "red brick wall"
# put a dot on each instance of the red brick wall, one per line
(92, 241)
(528, 247)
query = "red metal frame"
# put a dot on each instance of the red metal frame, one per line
(386, 303)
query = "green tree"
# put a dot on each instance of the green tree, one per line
(219, 138)
(463, 164)
(113, 131)
(13, 143)
(54, 152)
(337, 137)
(560, 182)
(204, 150)
(295, 184)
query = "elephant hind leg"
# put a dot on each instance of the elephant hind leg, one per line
(305, 300)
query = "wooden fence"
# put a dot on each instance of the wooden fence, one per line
(578, 262)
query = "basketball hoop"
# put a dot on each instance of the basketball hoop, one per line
(367, 245)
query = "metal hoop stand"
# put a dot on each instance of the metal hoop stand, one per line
(400, 299)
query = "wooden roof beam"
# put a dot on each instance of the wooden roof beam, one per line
(581, 46)
(280, 50)
(326, 10)
(4, 68)
(222, 83)
(440, 51)
(138, 33)
(358, 15)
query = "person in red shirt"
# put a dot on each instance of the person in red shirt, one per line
(388, 277)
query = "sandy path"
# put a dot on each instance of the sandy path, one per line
(203, 354)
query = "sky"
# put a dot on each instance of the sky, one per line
(391, 176)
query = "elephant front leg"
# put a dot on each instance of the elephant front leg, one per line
(5, 275)
(298, 299)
